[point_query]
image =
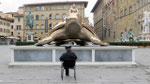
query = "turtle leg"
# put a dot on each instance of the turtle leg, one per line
(57, 34)
(45, 41)
(97, 41)
(89, 36)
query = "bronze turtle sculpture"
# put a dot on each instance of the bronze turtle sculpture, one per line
(72, 29)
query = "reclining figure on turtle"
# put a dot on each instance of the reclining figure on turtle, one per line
(72, 29)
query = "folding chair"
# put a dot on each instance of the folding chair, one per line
(70, 64)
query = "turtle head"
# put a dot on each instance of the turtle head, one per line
(73, 26)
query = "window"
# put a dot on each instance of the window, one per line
(27, 8)
(18, 27)
(50, 16)
(1, 30)
(18, 33)
(42, 8)
(12, 26)
(42, 26)
(104, 21)
(37, 17)
(42, 17)
(109, 32)
(130, 9)
(12, 33)
(37, 8)
(125, 11)
(37, 26)
(18, 19)
(115, 16)
(65, 7)
(51, 7)
(121, 14)
(64, 16)
(57, 7)
(57, 16)
(50, 26)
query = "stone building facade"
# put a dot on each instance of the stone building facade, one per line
(4, 30)
(119, 16)
(98, 18)
(47, 15)
(16, 27)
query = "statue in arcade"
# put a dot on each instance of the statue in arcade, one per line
(72, 29)
(30, 21)
(122, 37)
(131, 35)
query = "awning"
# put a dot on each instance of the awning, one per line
(11, 37)
(2, 35)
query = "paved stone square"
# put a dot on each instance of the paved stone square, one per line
(139, 74)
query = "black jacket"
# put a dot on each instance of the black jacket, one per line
(69, 55)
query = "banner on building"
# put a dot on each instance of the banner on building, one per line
(46, 25)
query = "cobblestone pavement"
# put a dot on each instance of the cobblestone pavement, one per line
(139, 74)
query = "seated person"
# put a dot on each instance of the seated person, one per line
(73, 12)
(68, 55)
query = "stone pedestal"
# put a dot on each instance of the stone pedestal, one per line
(86, 55)
(30, 37)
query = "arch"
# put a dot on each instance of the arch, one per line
(37, 17)
(51, 16)
(37, 26)
(50, 26)
(64, 16)
(42, 17)
(57, 16)
(42, 26)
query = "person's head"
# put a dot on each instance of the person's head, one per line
(74, 6)
(130, 29)
(68, 48)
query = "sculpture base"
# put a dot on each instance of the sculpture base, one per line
(86, 55)
(30, 37)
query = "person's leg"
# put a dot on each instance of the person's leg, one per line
(67, 71)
